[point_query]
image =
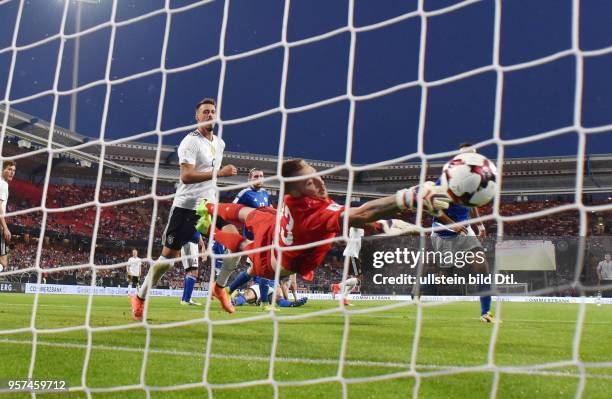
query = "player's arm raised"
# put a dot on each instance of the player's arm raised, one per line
(434, 198)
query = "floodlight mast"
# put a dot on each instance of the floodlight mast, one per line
(75, 62)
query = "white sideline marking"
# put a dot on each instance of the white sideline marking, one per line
(333, 362)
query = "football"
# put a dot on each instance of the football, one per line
(471, 179)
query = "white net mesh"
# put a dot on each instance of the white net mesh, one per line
(411, 368)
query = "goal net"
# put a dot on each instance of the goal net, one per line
(419, 346)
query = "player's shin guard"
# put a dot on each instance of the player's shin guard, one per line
(229, 265)
(155, 273)
(188, 287)
(241, 279)
(485, 301)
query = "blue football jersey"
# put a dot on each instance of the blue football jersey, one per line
(253, 199)
(456, 212)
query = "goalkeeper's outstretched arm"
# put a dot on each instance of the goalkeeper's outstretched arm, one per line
(433, 198)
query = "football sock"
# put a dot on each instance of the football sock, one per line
(155, 273)
(188, 287)
(229, 265)
(263, 292)
(485, 301)
(241, 279)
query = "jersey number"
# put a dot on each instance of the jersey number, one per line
(286, 230)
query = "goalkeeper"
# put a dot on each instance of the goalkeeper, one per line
(308, 216)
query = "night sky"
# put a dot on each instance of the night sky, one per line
(535, 99)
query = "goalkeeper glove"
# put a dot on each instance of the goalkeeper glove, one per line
(395, 227)
(434, 198)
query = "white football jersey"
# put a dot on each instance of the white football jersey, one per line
(255, 288)
(4, 193)
(353, 246)
(605, 268)
(134, 264)
(206, 156)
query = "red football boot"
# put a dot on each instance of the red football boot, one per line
(137, 307)
(221, 294)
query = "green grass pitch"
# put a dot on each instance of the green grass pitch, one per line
(379, 344)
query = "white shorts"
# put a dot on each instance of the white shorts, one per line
(255, 289)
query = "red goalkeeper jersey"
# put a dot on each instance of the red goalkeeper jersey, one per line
(306, 220)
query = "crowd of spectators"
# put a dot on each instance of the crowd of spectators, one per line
(132, 220)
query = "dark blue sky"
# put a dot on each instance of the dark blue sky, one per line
(535, 99)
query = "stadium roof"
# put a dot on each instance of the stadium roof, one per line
(528, 175)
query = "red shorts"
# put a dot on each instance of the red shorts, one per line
(261, 223)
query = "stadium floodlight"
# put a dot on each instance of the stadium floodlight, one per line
(75, 62)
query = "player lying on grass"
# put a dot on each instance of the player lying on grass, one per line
(259, 293)
(243, 278)
(308, 216)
